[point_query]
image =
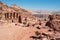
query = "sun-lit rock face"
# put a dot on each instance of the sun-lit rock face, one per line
(22, 11)
(56, 16)
(19, 24)
(56, 21)
(13, 12)
(3, 6)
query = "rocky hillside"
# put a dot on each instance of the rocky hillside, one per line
(14, 8)
(17, 23)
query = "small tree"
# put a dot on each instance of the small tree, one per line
(37, 33)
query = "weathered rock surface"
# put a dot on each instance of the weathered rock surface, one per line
(25, 26)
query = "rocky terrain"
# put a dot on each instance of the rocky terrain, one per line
(19, 24)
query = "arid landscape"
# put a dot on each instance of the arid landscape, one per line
(17, 23)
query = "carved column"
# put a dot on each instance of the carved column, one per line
(0, 8)
(5, 16)
(11, 15)
(16, 15)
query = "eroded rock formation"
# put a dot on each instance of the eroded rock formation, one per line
(19, 24)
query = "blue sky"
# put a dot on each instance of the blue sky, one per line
(35, 4)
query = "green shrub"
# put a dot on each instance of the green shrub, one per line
(37, 33)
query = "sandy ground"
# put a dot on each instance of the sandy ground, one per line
(12, 32)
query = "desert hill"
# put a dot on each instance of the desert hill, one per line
(17, 23)
(15, 11)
